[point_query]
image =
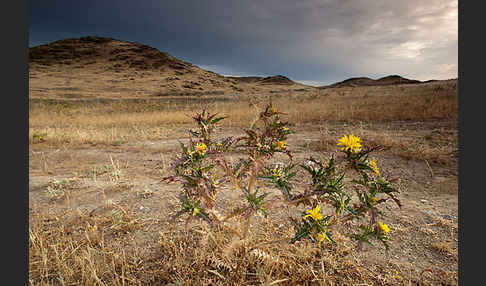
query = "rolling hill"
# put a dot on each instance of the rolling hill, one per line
(96, 66)
(93, 67)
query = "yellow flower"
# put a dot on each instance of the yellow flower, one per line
(195, 211)
(277, 172)
(315, 213)
(351, 142)
(281, 144)
(201, 148)
(383, 226)
(373, 200)
(341, 208)
(322, 238)
(397, 275)
(373, 166)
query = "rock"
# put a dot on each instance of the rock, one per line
(449, 217)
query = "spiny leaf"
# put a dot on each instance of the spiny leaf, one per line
(218, 119)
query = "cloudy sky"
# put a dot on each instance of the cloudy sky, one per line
(315, 42)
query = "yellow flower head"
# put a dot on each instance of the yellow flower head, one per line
(281, 144)
(373, 200)
(195, 211)
(315, 213)
(383, 226)
(351, 142)
(341, 207)
(201, 148)
(322, 238)
(277, 172)
(373, 166)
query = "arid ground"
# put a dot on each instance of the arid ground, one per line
(105, 123)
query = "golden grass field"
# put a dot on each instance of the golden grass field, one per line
(99, 209)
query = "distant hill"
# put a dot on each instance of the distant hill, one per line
(117, 54)
(365, 81)
(92, 65)
(278, 80)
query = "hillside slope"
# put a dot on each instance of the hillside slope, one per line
(105, 67)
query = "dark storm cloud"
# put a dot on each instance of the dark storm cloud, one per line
(320, 41)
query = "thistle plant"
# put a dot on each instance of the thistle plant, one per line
(327, 187)
(194, 167)
(203, 167)
(266, 136)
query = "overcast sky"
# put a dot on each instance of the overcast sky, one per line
(315, 42)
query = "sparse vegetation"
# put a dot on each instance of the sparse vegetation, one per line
(99, 246)
(100, 214)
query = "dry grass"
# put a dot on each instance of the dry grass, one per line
(63, 253)
(75, 248)
(118, 122)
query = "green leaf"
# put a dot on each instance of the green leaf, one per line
(301, 233)
(265, 177)
(307, 168)
(189, 179)
(365, 239)
(291, 175)
(261, 197)
(184, 148)
(352, 211)
(218, 119)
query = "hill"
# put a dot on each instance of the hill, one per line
(93, 66)
(365, 81)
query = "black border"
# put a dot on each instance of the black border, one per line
(465, 189)
(460, 85)
(15, 93)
